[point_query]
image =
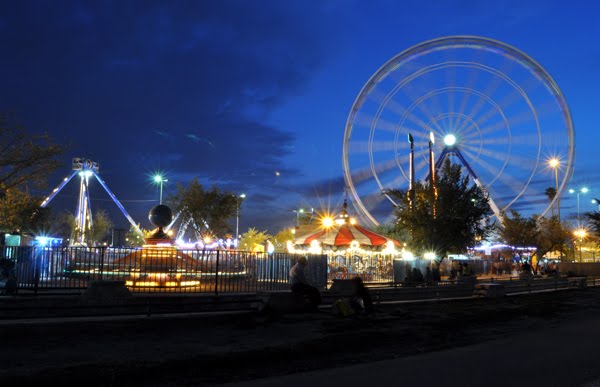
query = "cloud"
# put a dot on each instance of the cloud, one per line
(206, 75)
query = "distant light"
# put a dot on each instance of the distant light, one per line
(571, 190)
(85, 173)
(206, 240)
(158, 178)
(450, 140)
(277, 173)
(429, 255)
(554, 162)
(431, 138)
(408, 256)
(43, 241)
(584, 190)
(327, 222)
(581, 233)
(243, 196)
(352, 221)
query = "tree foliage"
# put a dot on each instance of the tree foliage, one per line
(209, 209)
(25, 159)
(519, 231)
(281, 238)
(252, 238)
(450, 222)
(593, 218)
(134, 239)
(20, 211)
(544, 234)
(98, 233)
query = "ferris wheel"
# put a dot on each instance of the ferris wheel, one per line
(478, 101)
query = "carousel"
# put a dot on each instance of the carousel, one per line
(352, 250)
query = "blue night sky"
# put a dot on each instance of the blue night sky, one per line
(252, 95)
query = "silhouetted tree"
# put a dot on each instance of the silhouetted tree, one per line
(452, 222)
(208, 209)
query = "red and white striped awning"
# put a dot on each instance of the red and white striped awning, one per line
(343, 235)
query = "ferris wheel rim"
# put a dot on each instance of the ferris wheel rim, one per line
(478, 42)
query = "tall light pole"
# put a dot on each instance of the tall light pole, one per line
(580, 233)
(298, 212)
(583, 190)
(237, 216)
(160, 180)
(554, 164)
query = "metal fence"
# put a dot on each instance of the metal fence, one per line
(154, 269)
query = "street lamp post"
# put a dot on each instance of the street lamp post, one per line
(237, 217)
(580, 233)
(298, 212)
(583, 190)
(554, 164)
(160, 180)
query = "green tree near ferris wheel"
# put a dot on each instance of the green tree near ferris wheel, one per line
(450, 222)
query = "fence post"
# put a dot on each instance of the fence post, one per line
(102, 262)
(217, 275)
(37, 263)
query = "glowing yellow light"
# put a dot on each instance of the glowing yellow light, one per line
(389, 248)
(315, 247)
(190, 283)
(408, 256)
(352, 221)
(142, 283)
(171, 283)
(327, 222)
(554, 162)
(429, 255)
(206, 240)
(170, 233)
(290, 247)
(354, 245)
(580, 233)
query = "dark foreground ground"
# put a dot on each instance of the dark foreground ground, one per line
(208, 350)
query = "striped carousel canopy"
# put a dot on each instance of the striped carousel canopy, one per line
(340, 235)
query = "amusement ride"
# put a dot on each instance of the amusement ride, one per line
(483, 103)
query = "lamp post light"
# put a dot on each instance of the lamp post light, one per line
(555, 164)
(583, 190)
(596, 201)
(160, 180)
(298, 212)
(580, 233)
(237, 216)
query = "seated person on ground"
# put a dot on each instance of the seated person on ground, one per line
(300, 284)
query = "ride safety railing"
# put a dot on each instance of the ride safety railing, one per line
(153, 269)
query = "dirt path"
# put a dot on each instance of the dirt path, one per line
(220, 349)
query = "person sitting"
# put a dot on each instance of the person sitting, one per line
(362, 292)
(300, 284)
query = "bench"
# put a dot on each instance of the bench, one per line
(344, 288)
(353, 293)
(490, 290)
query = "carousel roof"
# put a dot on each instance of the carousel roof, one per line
(343, 234)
